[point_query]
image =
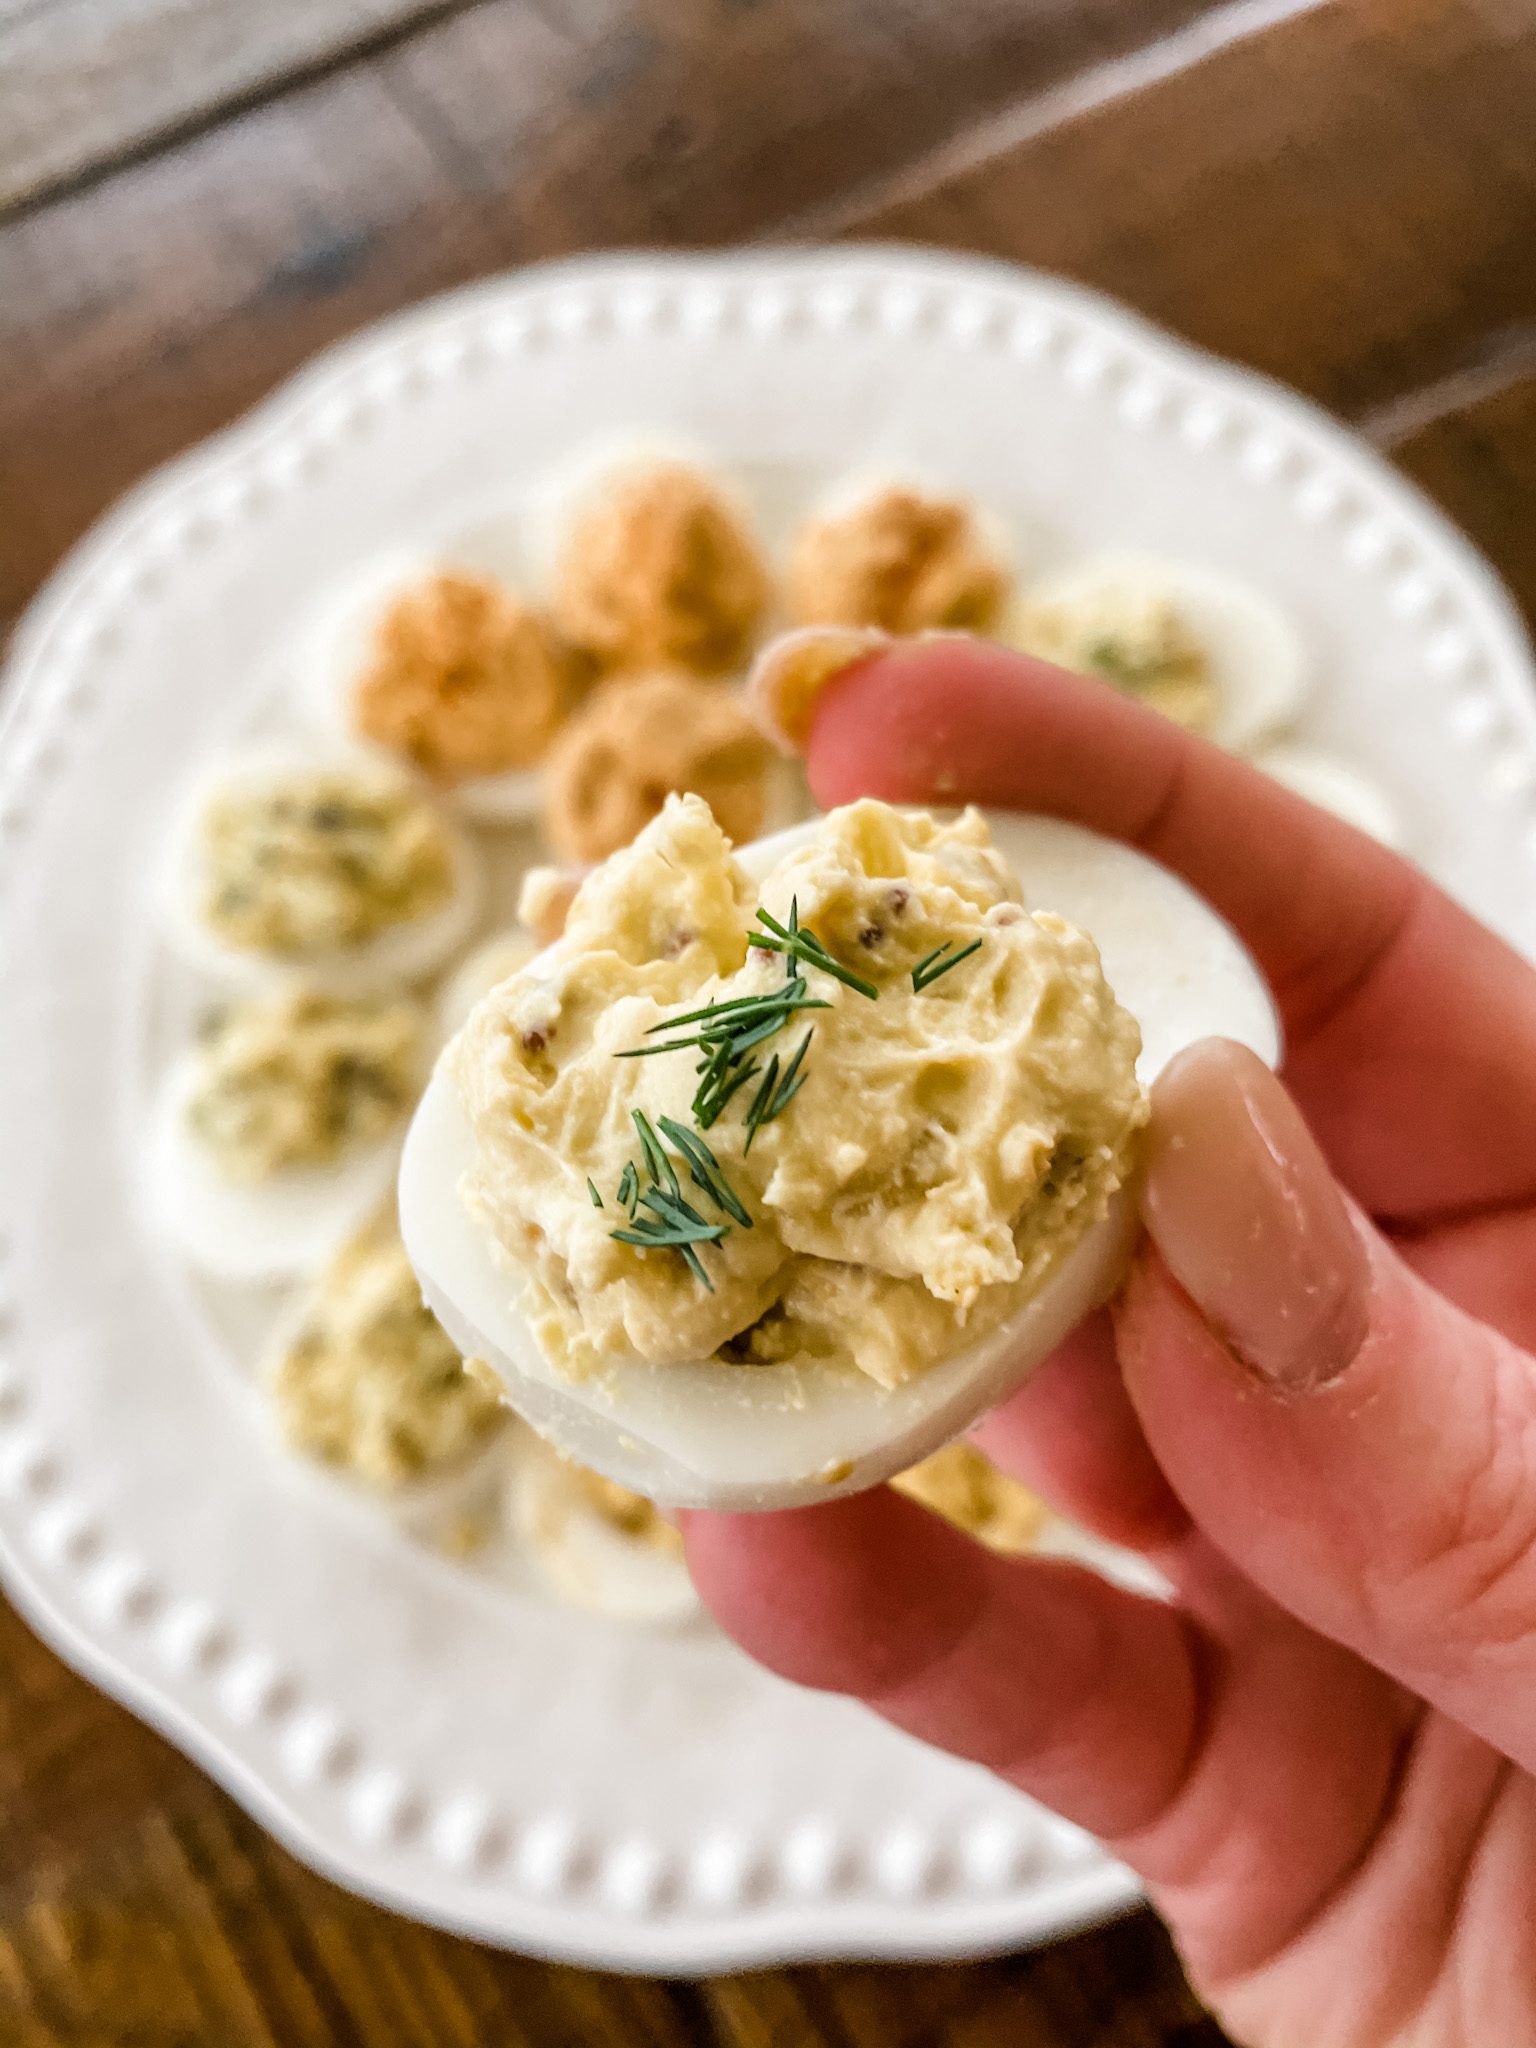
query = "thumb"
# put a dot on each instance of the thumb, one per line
(1362, 1449)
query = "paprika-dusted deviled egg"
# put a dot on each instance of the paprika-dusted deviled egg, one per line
(652, 562)
(777, 1170)
(446, 670)
(334, 867)
(896, 555)
(279, 1132)
(1209, 652)
(597, 1544)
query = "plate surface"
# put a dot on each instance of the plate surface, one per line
(453, 1746)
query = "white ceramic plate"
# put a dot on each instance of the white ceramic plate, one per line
(443, 1741)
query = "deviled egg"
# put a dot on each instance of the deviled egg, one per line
(597, 1545)
(895, 555)
(1207, 651)
(335, 867)
(279, 1131)
(447, 670)
(365, 1380)
(654, 563)
(777, 1170)
(638, 739)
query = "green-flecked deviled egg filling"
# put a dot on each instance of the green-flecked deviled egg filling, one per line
(857, 1116)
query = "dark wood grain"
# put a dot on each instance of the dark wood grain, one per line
(145, 311)
(1346, 199)
(139, 1905)
(1478, 458)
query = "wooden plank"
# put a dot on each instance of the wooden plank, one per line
(693, 129)
(1346, 201)
(83, 82)
(144, 312)
(1478, 458)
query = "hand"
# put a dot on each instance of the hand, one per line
(1313, 1405)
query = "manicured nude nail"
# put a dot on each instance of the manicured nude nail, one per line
(1240, 1203)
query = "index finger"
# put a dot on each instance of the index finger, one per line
(1411, 1029)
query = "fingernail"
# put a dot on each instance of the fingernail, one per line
(1248, 1219)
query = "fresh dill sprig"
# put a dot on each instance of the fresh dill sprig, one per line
(931, 966)
(705, 1171)
(658, 1165)
(774, 1095)
(597, 1200)
(680, 1236)
(673, 1224)
(739, 1022)
(723, 1073)
(728, 1033)
(804, 947)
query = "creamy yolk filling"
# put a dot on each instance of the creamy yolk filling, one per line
(946, 1147)
(1132, 637)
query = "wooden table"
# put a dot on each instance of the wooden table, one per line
(1341, 194)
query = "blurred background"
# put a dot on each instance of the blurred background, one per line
(195, 195)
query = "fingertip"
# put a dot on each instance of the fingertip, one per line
(846, 1597)
(956, 719)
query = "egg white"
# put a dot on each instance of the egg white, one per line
(333, 652)
(400, 954)
(582, 1557)
(695, 1434)
(1336, 786)
(1257, 659)
(282, 1228)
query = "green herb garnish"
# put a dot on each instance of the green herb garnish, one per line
(774, 1095)
(805, 947)
(704, 1170)
(927, 971)
(727, 1035)
(723, 1073)
(597, 1200)
(657, 1163)
(673, 1224)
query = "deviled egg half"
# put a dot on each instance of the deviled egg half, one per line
(447, 670)
(332, 866)
(1209, 652)
(901, 555)
(274, 1136)
(365, 1380)
(650, 558)
(777, 1169)
(597, 1544)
